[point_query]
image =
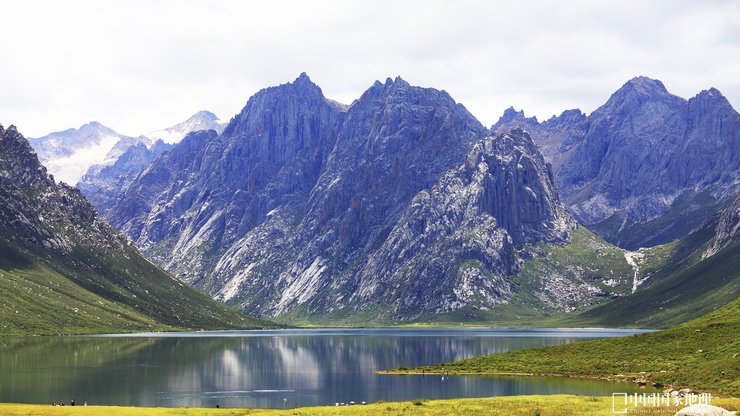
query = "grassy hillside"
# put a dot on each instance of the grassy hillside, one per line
(94, 293)
(680, 286)
(703, 354)
(35, 299)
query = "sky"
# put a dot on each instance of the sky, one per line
(139, 66)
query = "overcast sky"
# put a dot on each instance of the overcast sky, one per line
(138, 66)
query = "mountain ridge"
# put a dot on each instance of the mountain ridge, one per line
(71, 272)
(642, 156)
(401, 206)
(302, 206)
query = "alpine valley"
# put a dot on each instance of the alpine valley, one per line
(64, 270)
(401, 207)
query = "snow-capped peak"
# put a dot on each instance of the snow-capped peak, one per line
(202, 120)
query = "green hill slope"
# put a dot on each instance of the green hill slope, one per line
(680, 284)
(702, 354)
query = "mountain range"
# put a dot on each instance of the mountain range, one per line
(71, 154)
(64, 270)
(645, 168)
(396, 207)
(402, 207)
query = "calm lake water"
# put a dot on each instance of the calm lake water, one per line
(274, 368)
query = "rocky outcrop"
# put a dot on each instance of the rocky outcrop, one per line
(556, 137)
(727, 230)
(40, 209)
(460, 234)
(645, 157)
(704, 410)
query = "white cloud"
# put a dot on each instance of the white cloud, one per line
(138, 66)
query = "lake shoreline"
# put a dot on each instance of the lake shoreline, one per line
(501, 405)
(700, 354)
(433, 371)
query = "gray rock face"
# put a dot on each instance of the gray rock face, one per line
(556, 137)
(454, 243)
(302, 205)
(728, 228)
(640, 155)
(704, 410)
(195, 201)
(42, 213)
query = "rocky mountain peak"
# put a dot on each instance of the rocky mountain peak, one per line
(398, 94)
(70, 153)
(160, 146)
(304, 84)
(302, 93)
(645, 85)
(637, 155)
(636, 92)
(202, 120)
(511, 115)
(710, 98)
(392, 89)
(303, 77)
(203, 115)
(95, 127)
(568, 116)
(18, 161)
(398, 82)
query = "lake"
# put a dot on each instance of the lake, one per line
(274, 368)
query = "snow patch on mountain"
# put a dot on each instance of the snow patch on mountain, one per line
(202, 120)
(72, 168)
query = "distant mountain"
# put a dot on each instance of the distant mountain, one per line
(645, 168)
(68, 154)
(102, 183)
(394, 207)
(63, 269)
(202, 120)
(74, 153)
